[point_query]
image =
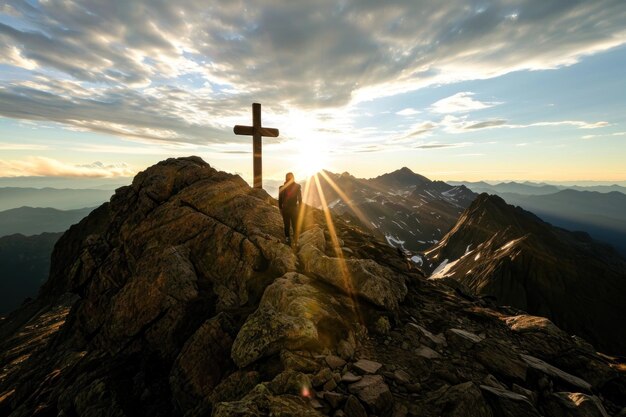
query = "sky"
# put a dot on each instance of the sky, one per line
(455, 90)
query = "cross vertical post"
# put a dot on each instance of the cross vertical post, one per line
(257, 151)
(257, 131)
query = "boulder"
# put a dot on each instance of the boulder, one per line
(366, 366)
(362, 277)
(292, 314)
(374, 393)
(354, 408)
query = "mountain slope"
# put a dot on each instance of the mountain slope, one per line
(405, 208)
(178, 298)
(497, 249)
(35, 220)
(24, 266)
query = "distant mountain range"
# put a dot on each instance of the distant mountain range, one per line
(503, 251)
(35, 220)
(24, 266)
(406, 209)
(58, 198)
(533, 188)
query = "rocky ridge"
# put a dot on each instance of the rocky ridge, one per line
(179, 298)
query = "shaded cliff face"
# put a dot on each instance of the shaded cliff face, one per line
(179, 298)
(500, 250)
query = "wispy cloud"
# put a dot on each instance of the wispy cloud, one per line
(41, 166)
(462, 124)
(604, 135)
(460, 103)
(486, 124)
(437, 145)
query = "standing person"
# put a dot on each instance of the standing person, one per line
(289, 201)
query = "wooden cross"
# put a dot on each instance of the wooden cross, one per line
(256, 131)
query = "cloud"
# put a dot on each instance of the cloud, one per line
(486, 124)
(183, 71)
(459, 103)
(421, 129)
(575, 123)
(41, 166)
(22, 147)
(408, 112)
(462, 124)
(605, 135)
(437, 145)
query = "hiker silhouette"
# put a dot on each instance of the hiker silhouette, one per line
(289, 201)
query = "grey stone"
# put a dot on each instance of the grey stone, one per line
(373, 392)
(401, 376)
(367, 366)
(349, 377)
(335, 362)
(426, 352)
(462, 338)
(354, 408)
(555, 372)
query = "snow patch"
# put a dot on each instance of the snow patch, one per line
(394, 239)
(417, 259)
(443, 270)
(334, 203)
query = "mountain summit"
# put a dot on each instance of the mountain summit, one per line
(178, 298)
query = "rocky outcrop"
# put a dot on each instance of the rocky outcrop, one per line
(293, 314)
(503, 251)
(360, 277)
(178, 298)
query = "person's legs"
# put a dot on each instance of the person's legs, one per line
(294, 223)
(286, 220)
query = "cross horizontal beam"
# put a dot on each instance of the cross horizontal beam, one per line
(249, 130)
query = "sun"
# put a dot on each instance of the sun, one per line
(311, 156)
